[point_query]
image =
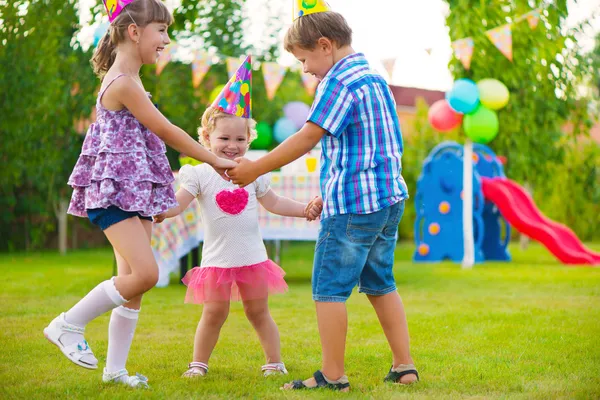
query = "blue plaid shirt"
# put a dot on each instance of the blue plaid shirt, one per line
(361, 166)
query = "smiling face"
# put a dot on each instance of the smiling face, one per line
(316, 62)
(229, 139)
(153, 40)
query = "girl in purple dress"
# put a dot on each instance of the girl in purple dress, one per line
(122, 179)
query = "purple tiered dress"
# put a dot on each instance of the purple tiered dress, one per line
(121, 164)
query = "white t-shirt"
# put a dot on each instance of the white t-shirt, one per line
(229, 217)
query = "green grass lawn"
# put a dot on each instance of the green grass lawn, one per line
(526, 329)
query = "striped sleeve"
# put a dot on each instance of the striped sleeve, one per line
(332, 107)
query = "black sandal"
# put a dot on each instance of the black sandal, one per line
(321, 383)
(394, 376)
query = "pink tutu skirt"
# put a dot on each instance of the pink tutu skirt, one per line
(251, 282)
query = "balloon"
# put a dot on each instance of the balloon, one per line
(297, 112)
(493, 93)
(442, 117)
(482, 125)
(284, 128)
(100, 32)
(215, 93)
(464, 96)
(264, 138)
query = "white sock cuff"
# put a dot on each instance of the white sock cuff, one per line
(128, 313)
(111, 290)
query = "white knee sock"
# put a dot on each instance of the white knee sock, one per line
(120, 334)
(99, 300)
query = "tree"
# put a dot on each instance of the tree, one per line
(39, 104)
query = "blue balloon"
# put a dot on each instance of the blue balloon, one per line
(100, 32)
(464, 96)
(283, 129)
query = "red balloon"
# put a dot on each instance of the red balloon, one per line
(442, 117)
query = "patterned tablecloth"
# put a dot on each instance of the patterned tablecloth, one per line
(176, 237)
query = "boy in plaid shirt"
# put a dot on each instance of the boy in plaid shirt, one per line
(363, 192)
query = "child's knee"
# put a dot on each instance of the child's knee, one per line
(256, 311)
(216, 313)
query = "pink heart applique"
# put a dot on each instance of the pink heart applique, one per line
(232, 201)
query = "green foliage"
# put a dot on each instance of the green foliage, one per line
(38, 110)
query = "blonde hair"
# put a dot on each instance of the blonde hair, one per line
(307, 30)
(140, 12)
(209, 123)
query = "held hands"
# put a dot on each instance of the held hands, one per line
(244, 173)
(221, 165)
(314, 208)
(157, 219)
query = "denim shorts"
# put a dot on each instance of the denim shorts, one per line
(106, 217)
(356, 249)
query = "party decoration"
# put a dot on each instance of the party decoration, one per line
(533, 18)
(502, 39)
(165, 57)
(215, 93)
(493, 94)
(232, 65)
(297, 112)
(200, 66)
(481, 126)
(235, 99)
(273, 74)
(464, 96)
(283, 129)
(306, 7)
(463, 49)
(114, 7)
(264, 136)
(442, 117)
(389, 65)
(100, 32)
(310, 83)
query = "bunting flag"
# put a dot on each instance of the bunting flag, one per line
(533, 18)
(165, 57)
(463, 49)
(310, 83)
(273, 74)
(200, 66)
(233, 64)
(389, 65)
(502, 39)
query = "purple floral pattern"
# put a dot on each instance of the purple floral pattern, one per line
(121, 164)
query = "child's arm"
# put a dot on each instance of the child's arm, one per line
(132, 96)
(291, 149)
(287, 207)
(184, 198)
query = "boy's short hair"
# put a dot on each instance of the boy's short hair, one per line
(307, 30)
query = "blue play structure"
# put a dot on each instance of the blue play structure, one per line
(439, 226)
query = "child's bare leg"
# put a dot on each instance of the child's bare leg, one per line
(257, 312)
(213, 317)
(332, 319)
(390, 311)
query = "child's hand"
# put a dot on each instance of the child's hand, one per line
(159, 218)
(314, 208)
(244, 174)
(222, 165)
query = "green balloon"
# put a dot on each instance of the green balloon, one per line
(215, 93)
(264, 138)
(482, 125)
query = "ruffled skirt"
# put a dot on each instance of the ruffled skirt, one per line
(210, 284)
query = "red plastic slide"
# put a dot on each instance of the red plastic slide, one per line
(521, 212)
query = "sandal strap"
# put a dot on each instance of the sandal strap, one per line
(322, 382)
(78, 349)
(403, 369)
(274, 367)
(111, 376)
(138, 380)
(197, 364)
(67, 327)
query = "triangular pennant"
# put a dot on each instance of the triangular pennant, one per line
(165, 57)
(463, 49)
(200, 66)
(236, 96)
(502, 39)
(232, 65)
(533, 18)
(310, 83)
(389, 65)
(273, 74)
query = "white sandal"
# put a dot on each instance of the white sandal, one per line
(75, 351)
(135, 381)
(274, 369)
(195, 369)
